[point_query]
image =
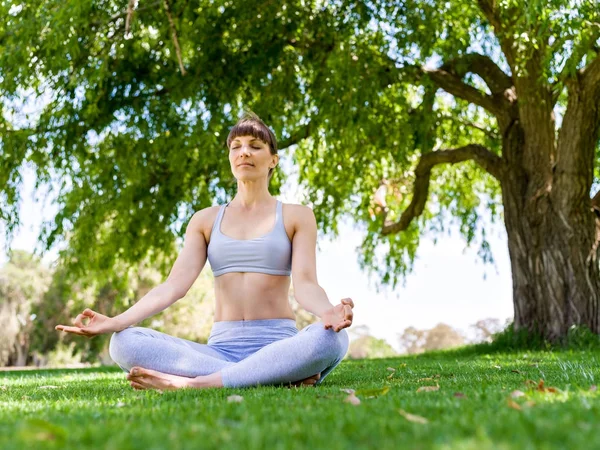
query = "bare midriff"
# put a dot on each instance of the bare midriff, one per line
(252, 296)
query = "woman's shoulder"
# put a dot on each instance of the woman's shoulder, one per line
(204, 218)
(297, 209)
(298, 214)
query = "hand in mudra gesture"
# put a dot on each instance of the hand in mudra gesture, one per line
(97, 324)
(340, 316)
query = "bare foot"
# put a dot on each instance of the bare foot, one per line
(310, 381)
(151, 379)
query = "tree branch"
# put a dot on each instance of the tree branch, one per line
(489, 133)
(296, 136)
(174, 36)
(596, 203)
(490, 162)
(490, 11)
(454, 85)
(591, 77)
(495, 78)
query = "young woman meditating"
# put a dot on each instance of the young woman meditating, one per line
(253, 243)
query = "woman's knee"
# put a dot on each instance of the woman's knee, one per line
(120, 346)
(335, 343)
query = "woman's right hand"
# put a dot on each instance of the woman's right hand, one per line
(97, 324)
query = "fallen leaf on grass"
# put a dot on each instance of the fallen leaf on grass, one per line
(459, 395)
(120, 404)
(497, 367)
(542, 388)
(515, 371)
(391, 375)
(425, 379)
(348, 391)
(514, 405)
(517, 394)
(530, 403)
(48, 387)
(235, 399)
(373, 392)
(391, 369)
(593, 388)
(412, 417)
(428, 388)
(352, 399)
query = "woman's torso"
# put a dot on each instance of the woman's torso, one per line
(250, 295)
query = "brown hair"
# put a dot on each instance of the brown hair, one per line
(251, 125)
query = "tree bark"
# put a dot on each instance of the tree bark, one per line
(553, 247)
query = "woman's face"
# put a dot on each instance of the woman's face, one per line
(250, 158)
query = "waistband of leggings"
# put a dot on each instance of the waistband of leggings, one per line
(271, 323)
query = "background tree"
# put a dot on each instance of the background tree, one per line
(440, 337)
(23, 281)
(382, 98)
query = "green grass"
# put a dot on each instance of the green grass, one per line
(96, 408)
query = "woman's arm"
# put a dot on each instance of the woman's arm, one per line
(186, 269)
(307, 291)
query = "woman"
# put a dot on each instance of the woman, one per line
(254, 340)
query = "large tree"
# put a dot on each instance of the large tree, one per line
(382, 98)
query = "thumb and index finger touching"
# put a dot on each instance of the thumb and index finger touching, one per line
(78, 322)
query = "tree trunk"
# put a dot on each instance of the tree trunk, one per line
(553, 248)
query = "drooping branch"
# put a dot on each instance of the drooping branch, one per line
(130, 7)
(490, 162)
(174, 36)
(570, 67)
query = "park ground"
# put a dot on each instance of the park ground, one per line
(463, 399)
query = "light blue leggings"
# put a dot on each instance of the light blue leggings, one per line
(247, 352)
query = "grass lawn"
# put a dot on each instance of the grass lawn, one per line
(472, 409)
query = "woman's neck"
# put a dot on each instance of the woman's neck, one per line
(252, 194)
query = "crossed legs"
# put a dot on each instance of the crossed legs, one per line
(157, 360)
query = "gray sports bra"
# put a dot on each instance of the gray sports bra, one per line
(270, 253)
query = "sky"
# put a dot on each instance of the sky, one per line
(449, 283)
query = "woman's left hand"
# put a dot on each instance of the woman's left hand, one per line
(340, 316)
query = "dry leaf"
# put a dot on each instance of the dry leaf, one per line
(593, 388)
(390, 375)
(514, 405)
(235, 399)
(459, 395)
(428, 388)
(412, 417)
(517, 394)
(540, 386)
(348, 391)
(352, 399)
(391, 369)
(120, 405)
(373, 392)
(497, 367)
(530, 383)
(552, 389)
(48, 387)
(515, 371)
(530, 403)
